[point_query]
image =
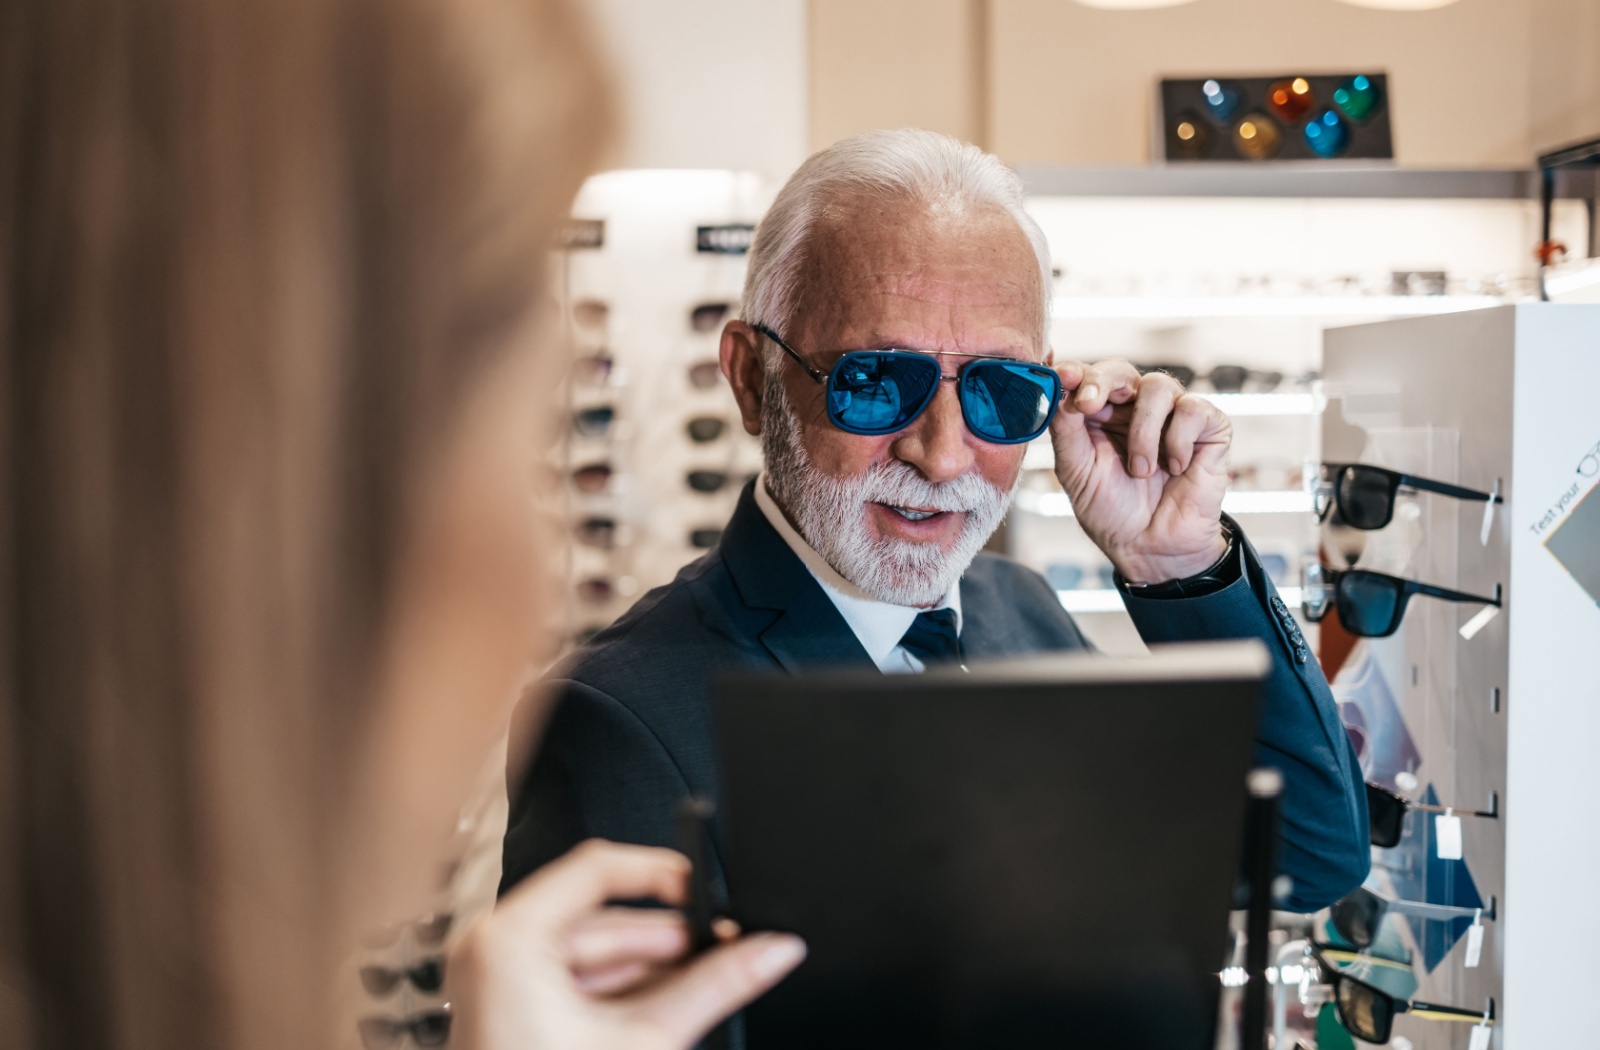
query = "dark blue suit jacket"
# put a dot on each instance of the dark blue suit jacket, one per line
(630, 738)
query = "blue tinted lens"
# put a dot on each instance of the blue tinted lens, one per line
(880, 391)
(1369, 604)
(1008, 402)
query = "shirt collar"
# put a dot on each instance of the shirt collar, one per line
(879, 626)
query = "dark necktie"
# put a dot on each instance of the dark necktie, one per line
(933, 639)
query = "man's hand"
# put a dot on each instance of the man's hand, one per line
(553, 966)
(1145, 465)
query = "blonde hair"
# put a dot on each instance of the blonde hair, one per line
(252, 255)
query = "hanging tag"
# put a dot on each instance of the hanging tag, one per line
(1480, 621)
(1447, 835)
(1480, 1037)
(1488, 516)
(1475, 940)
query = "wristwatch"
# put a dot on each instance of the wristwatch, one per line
(1224, 571)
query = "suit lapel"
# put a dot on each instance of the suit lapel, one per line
(808, 633)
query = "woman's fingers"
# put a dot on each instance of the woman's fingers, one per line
(590, 875)
(687, 1005)
(621, 935)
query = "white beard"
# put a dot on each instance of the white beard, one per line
(831, 513)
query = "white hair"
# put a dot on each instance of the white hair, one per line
(905, 165)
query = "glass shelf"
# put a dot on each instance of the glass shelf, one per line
(1287, 501)
(1180, 307)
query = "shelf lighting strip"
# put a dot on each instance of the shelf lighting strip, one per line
(1112, 307)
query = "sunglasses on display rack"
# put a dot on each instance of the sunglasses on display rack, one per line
(875, 392)
(591, 315)
(1371, 604)
(597, 532)
(429, 1028)
(709, 481)
(705, 375)
(1358, 914)
(426, 976)
(593, 478)
(1368, 1012)
(1364, 495)
(593, 369)
(1224, 379)
(429, 931)
(1386, 813)
(705, 538)
(596, 590)
(708, 316)
(703, 429)
(594, 422)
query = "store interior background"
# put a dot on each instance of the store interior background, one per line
(724, 98)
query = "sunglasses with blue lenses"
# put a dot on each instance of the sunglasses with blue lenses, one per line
(873, 392)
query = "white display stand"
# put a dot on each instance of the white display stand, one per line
(1506, 394)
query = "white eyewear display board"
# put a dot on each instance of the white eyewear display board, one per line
(1506, 710)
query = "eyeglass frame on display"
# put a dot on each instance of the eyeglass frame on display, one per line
(1382, 797)
(425, 976)
(1337, 979)
(1327, 493)
(1316, 609)
(397, 1028)
(1375, 908)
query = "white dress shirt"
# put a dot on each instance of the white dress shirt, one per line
(879, 626)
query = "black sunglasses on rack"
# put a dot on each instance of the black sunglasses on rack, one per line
(707, 316)
(1224, 379)
(1364, 495)
(1368, 1012)
(429, 1028)
(1386, 814)
(703, 429)
(1359, 914)
(1371, 604)
(704, 538)
(426, 976)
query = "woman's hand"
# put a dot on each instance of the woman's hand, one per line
(554, 967)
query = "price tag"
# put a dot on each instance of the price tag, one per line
(1480, 621)
(1447, 835)
(1475, 940)
(1480, 1038)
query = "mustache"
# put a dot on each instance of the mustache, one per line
(900, 485)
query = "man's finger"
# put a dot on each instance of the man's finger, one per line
(1194, 420)
(1108, 382)
(619, 935)
(615, 979)
(1158, 394)
(689, 1004)
(590, 875)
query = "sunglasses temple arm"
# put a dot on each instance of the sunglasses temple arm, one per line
(815, 373)
(1493, 812)
(1458, 596)
(1435, 1012)
(1447, 489)
(1424, 910)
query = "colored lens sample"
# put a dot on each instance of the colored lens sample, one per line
(1221, 100)
(1327, 134)
(1258, 137)
(1289, 100)
(1356, 98)
(1191, 136)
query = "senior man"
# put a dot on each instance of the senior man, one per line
(893, 358)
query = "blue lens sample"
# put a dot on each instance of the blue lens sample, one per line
(1222, 101)
(880, 391)
(1008, 402)
(1327, 134)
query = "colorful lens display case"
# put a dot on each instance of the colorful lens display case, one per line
(1297, 116)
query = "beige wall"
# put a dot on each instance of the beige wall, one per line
(1478, 83)
(896, 63)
